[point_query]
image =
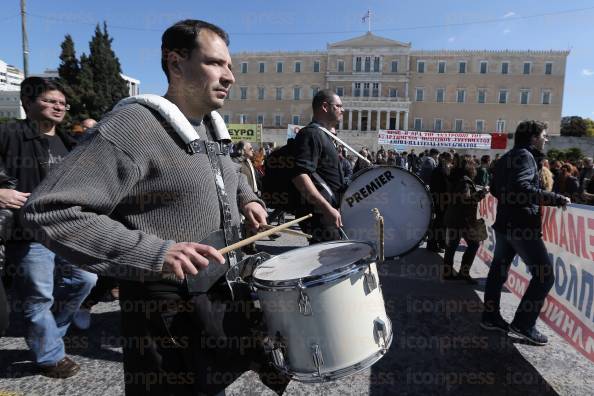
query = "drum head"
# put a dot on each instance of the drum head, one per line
(313, 261)
(403, 201)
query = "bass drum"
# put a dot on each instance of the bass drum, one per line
(401, 198)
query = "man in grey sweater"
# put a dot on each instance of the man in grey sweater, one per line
(132, 202)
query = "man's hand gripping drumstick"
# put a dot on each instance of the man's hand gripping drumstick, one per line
(190, 257)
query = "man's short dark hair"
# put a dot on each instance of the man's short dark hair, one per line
(527, 129)
(182, 38)
(433, 152)
(324, 95)
(33, 87)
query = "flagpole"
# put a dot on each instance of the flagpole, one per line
(369, 21)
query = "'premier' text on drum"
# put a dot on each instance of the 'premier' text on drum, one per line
(369, 188)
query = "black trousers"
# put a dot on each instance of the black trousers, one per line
(535, 255)
(176, 344)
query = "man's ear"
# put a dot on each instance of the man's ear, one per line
(174, 63)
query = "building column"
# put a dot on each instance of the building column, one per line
(340, 124)
(406, 120)
(378, 120)
(398, 120)
(388, 119)
(350, 119)
(359, 114)
(368, 120)
(406, 90)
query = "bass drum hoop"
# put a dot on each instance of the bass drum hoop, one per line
(431, 205)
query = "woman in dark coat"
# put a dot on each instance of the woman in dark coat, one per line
(460, 219)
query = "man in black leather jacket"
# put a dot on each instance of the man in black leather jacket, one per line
(518, 231)
(6, 220)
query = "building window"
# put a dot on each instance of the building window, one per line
(296, 93)
(297, 67)
(500, 126)
(437, 125)
(439, 95)
(314, 91)
(420, 93)
(503, 96)
(393, 92)
(366, 90)
(260, 119)
(481, 96)
(226, 118)
(367, 64)
(340, 91)
(296, 119)
(277, 120)
(546, 97)
(462, 67)
(458, 125)
(394, 68)
(279, 67)
(316, 66)
(375, 90)
(261, 67)
(260, 93)
(441, 67)
(460, 95)
(243, 93)
(480, 126)
(524, 96)
(420, 66)
(243, 119)
(340, 65)
(527, 67)
(244, 67)
(418, 124)
(484, 67)
(504, 67)
(358, 64)
(357, 90)
(279, 94)
(549, 68)
(376, 64)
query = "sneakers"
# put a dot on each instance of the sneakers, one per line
(63, 369)
(494, 323)
(532, 335)
(82, 318)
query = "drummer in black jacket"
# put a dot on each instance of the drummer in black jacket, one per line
(317, 175)
(518, 231)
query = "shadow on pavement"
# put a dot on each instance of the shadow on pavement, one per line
(438, 346)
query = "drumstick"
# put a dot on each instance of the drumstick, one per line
(290, 232)
(380, 224)
(262, 235)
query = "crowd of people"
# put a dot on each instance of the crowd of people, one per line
(142, 204)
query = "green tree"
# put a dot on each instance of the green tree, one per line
(108, 87)
(573, 126)
(69, 71)
(589, 127)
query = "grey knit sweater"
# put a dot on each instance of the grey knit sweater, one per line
(117, 203)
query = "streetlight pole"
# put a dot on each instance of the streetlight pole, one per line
(25, 39)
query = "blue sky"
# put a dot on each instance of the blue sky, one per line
(136, 27)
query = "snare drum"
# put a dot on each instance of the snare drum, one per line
(324, 310)
(402, 199)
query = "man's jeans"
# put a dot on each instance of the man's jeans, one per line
(534, 253)
(47, 307)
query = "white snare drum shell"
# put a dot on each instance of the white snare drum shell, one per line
(344, 324)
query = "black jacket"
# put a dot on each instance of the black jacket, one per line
(24, 153)
(516, 186)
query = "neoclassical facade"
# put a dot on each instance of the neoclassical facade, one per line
(384, 84)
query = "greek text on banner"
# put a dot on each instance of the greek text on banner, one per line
(249, 132)
(433, 139)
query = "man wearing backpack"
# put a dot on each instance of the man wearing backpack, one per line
(317, 173)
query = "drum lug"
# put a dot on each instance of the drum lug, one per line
(276, 352)
(304, 304)
(318, 359)
(379, 328)
(370, 281)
